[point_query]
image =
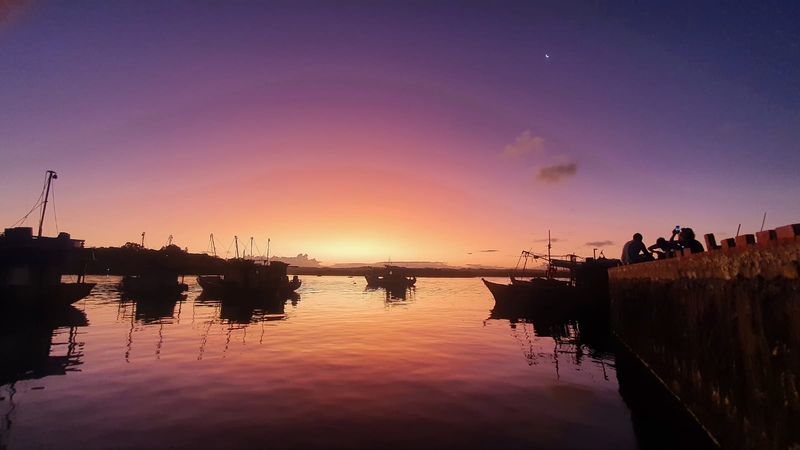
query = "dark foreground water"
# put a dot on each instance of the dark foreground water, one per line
(340, 367)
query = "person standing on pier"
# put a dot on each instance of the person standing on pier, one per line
(635, 251)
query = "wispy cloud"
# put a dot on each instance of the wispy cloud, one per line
(551, 240)
(557, 172)
(599, 243)
(525, 144)
(484, 251)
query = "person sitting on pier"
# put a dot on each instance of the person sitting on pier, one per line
(686, 239)
(664, 249)
(635, 251)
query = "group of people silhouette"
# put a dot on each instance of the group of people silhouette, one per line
(635, 251)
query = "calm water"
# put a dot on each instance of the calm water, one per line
(340, 367)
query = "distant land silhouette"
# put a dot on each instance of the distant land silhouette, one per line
(301, 260)
(133, 259)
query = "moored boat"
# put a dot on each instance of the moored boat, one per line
(391, 277)
(250, 280)
(31, 267)
(569, 285)
(153, 285)
(158, 277)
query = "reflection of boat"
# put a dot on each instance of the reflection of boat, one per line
(244, 278)
(31, 267)
(150, 309)
(248, 310)
(391, 277)
(27, 344)
(395, 294)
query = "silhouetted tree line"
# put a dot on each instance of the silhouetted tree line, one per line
(133, 259)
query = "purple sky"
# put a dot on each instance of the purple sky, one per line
(641, 118)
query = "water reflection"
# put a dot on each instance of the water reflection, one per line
(574, 337)
(33, 347)
(435, 372)
(153, 309)
(587, 337)
(241, 311)
(394, 295)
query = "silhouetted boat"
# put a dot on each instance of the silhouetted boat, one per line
(153, 285)
(31, 267)
(245, 278)
(537, 295)
(391, 277)
(293, 285)
(569, 285)
(158, 277)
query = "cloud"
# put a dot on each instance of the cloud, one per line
(557, 172)
(525, 144)
(599, 243)
(489, 251)
(551, 240)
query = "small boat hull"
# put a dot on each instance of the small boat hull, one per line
(152, 287)
(536, 296)
(217, 287)
(63, 294)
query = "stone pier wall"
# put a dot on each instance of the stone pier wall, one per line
(721, 330)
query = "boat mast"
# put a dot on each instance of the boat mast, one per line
(51, 175)
(142, 239)
(251, 247)
(236, 239)
(213, 246)
(267, 250)
(549, 260)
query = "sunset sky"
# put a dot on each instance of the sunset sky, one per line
(435, 131)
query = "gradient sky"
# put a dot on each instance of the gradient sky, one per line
(362, 131)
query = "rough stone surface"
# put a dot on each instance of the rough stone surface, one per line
(722, 331)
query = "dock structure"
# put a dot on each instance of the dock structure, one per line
(721, 330)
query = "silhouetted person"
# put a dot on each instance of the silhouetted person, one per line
(663, 248)
(635, 251)
(686, 239)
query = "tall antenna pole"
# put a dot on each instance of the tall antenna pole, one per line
(236, 239)
(50, 176)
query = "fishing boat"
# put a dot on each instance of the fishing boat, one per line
(570, 284)
(390, 277)
(248, 279)
(31, 267)
(153, 284)
(159, 274)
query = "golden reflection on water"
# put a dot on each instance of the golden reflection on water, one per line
(338, 367)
